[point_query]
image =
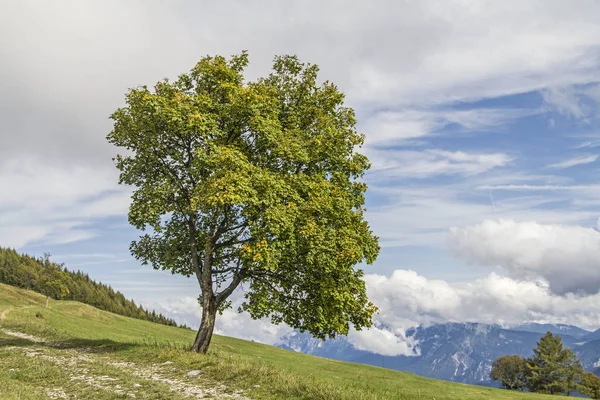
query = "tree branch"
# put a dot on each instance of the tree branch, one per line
(225, 293)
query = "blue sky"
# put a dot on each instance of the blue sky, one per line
(481, 123)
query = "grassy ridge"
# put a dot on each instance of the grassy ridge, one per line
(94, 339)
(54, 280)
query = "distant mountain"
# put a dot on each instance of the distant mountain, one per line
(461, 352)
(592, 336)
(557, 329)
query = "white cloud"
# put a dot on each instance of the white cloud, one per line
(568, 257)
(55, 203)
(421, 215)
(565, 101)
(389, 127)
(427, 55)
(407, 299)
(541, 187)
(579, 102)
(588, 144)
(383, 341)
(572, 162)
(433, 162)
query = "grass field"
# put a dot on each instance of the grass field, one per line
(71, 349)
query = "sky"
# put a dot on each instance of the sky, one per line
(481, 122)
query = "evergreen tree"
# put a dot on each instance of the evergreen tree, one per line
(553, 369)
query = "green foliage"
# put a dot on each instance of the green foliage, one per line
(510, 371)
(252, 182)
(590, 385)
(52, 280)
(553, 369)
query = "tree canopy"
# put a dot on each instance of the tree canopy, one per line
(511, 371)
(590, 385)
(255, 183)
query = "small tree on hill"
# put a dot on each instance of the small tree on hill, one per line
(51, 283)
(590, 385)
(553, 369)
(510, 371)
(255, 183)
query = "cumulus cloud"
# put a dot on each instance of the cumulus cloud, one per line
(407, 299)
(383, 341)
(567, 257)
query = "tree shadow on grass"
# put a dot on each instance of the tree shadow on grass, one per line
(93, 345)
(83, 345)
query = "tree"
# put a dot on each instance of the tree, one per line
(254, 183)
(590, 385)
(553, 369)
(51, 282)
(510, 371)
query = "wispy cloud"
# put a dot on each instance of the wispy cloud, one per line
(579, 188)
(119, 261)
(389, 127)
(576, 101)
(432, 162)
(572, 162)
(55, 203)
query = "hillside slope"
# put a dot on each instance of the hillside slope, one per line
(56, 281)
(75, 349)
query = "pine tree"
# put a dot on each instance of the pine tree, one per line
(553, 369)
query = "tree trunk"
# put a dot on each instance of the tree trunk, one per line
(207, 325)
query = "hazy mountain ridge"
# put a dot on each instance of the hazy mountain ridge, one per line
(461, 352)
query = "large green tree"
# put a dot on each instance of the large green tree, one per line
(255, 183)
(553, 368)
(510, 371)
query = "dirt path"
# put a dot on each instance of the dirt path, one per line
(123, 378)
